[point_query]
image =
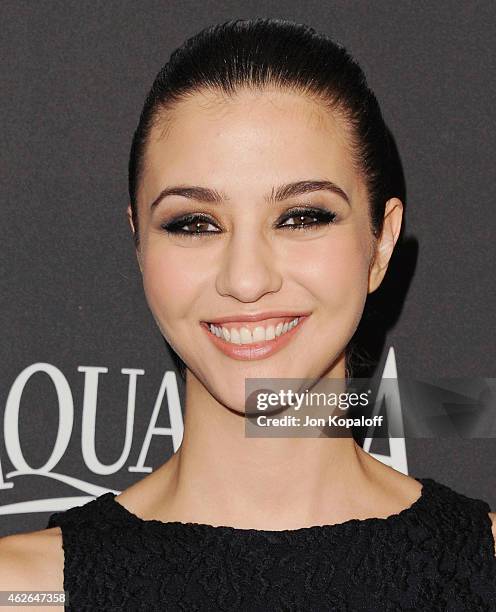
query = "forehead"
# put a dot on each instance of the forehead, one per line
(254, 138)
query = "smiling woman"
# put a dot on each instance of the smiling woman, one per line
(263, 215)
(277, 219)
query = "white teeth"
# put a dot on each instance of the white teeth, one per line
(245, 335)
(235, 337)
(259, 334)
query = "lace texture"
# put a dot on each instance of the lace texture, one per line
(436, 555)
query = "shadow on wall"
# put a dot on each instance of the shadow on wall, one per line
(383, 307)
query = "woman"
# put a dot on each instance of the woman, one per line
(262, 216)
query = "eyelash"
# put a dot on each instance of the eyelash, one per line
(322, 216)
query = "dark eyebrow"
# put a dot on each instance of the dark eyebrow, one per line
(283, 192)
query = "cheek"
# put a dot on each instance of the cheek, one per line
(168, 287)
(335, 269)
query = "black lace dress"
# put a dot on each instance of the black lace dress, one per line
(436, 555)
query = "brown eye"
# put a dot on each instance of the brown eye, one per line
(199, 227)
(306, 218)
(198, 223)
(300, 220)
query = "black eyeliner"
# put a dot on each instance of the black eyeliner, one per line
(321, 214)
(175, 225)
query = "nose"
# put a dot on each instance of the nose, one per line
(248, 268)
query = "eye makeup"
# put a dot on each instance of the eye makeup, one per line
(318, 217)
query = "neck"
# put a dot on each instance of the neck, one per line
(221, 477)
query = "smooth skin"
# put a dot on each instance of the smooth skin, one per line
(244, 148)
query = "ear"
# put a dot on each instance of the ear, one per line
(129, 214)
(393, 216)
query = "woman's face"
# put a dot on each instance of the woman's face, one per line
(231, 158)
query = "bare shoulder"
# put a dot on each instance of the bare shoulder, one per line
(492, 516)
(32, 561)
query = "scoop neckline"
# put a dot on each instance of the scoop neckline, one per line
(205, 528)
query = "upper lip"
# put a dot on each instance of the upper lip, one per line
(260, 316)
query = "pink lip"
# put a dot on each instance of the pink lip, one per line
(261, 316)
(256, 350)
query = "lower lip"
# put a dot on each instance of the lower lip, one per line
(255, 350)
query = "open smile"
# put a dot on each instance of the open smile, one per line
(254, 339)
